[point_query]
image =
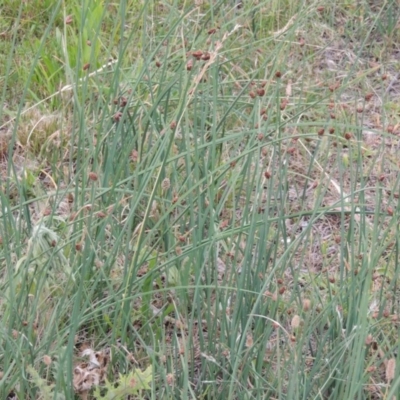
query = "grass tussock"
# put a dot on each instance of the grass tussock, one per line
(199, 200)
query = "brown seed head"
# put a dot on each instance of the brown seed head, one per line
(272, 296)
(267, 174)
(93, 176)
(284, 103)
(47, 360)
(124, 101)
(182, 238)
(295, 323)
(170, 379)
(306, 304)
(347, 136)
(197, 54)
(252, 94)
(166, 184)
(261, 92)
(369, 96)
(291, 150)
(369, 339)
(321, 131)
(206, 56)
(390, 369)
(68, 20)
(224, 224)
(134, 155)
(86, 66)
(386, 313)
(117, 116)
(189, 65)
(278, 74)
(249, 340)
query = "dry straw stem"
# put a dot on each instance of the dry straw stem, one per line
(276, 323)
(342, 194)
(286, 27)
(331, 180)
(65, 88)
(213, 56)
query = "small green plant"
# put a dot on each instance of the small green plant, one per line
(44, 258)
(46, 389)
(136, 383)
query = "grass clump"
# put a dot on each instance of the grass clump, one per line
(199, 201)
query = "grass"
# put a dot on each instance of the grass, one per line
(199, 200)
